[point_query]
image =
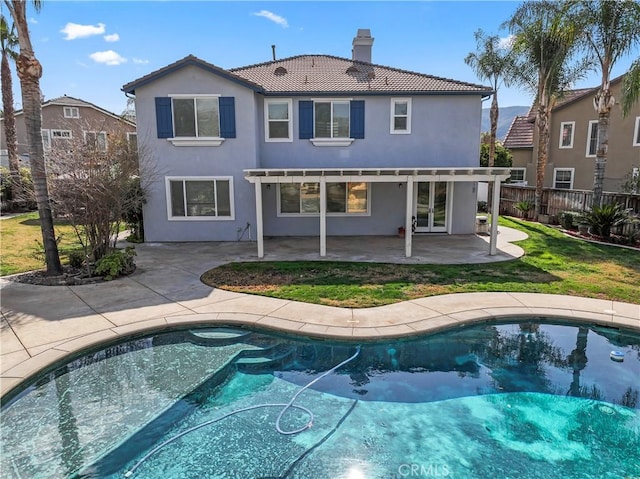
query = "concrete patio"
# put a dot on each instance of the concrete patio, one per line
(42, 325)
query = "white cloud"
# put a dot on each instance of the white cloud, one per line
(108, 57)
(33, 21)
(75, 30)
(114, 37)
(140, 61)
(273, 17)
(506, 42)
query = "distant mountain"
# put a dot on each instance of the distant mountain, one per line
(505, 117)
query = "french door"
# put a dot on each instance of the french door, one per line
(430, 207)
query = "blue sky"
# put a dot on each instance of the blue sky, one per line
(90, 49)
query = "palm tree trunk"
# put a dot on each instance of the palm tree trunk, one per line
(15, 182)
(542, 122)
(602, 103)
(29, 71)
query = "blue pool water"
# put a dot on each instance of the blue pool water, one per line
(521, 400)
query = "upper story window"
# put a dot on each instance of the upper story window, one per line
(196, 120)
(331, 119)
(566, 134)
(200, 198)
(96, 140)
(563, 178)
(277, 119)
(61, 134)
(132, 139)
(400, 116)
(196, 117)
(342, 199)
(46, 139)
(71, 112)
(592, 138)
(335, 122)
(636, 132)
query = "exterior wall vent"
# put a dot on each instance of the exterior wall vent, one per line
(280, 71)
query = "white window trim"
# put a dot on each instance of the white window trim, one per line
(195, 140)
(555, 174)
(169, 179)
(524, 175)
(53, 137)
(636, 133)
(591, 122)
(84, 133)
(345, 214)
(573, 131)
(331, 141)
(71, 110)
(289, 103)
(393, 116)
(130, 134)
(47, 144)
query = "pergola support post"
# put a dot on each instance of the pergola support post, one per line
(495, 212)
(259, 232)
(408, 220)
(323, 217)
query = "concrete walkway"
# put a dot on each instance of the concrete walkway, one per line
(42, 325)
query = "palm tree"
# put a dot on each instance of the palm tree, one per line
(491, 62)
(611, 29)
(631, 87)
(545, 40)
(29, 71)
(8, 41)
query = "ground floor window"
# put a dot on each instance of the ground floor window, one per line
(563, 178)
(342, 198)
(517, 175)
(200, 197)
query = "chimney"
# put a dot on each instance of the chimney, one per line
(362, 44)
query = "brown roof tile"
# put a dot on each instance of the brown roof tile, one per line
(329, 74)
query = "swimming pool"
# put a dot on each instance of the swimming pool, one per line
(519, 400)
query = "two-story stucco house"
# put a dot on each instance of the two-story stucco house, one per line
(573, 142)
(308, 145)
(66, 118)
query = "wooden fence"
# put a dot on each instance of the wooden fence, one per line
(555, 201)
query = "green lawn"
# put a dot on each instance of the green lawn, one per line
(21, 239)
(552, 264)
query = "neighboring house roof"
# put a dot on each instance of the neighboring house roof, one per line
(306, 74)
(520, 134)
(322, 74)
(76, 102)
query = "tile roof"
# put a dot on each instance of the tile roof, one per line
(329, 74)
(322, 74)
(520, 134)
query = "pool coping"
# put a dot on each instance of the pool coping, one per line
(399, 320)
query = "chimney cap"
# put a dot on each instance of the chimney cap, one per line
(363, 37)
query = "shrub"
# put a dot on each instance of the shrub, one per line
(116, 263)
(601, 219)
(76, 259)
(524, 207)
(482, 207)
(569, 219)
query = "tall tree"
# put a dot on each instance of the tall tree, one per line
(631, 87)
(29, 72)
(8, 43)
(492, 61)
(545, 40)
(611, 29)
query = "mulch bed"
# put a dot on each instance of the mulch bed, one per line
(69, 277)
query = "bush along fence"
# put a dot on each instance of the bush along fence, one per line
(556, 203)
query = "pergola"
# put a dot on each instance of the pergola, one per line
(408, 176)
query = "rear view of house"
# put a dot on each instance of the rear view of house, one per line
(311, 145)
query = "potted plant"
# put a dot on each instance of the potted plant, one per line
(401, 232)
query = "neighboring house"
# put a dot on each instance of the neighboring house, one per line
(573, 140)
(67, 118)
(308, 145)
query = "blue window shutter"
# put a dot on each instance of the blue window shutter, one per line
(164, 118)
(227, 117)
(357, 119)
(305, 110)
